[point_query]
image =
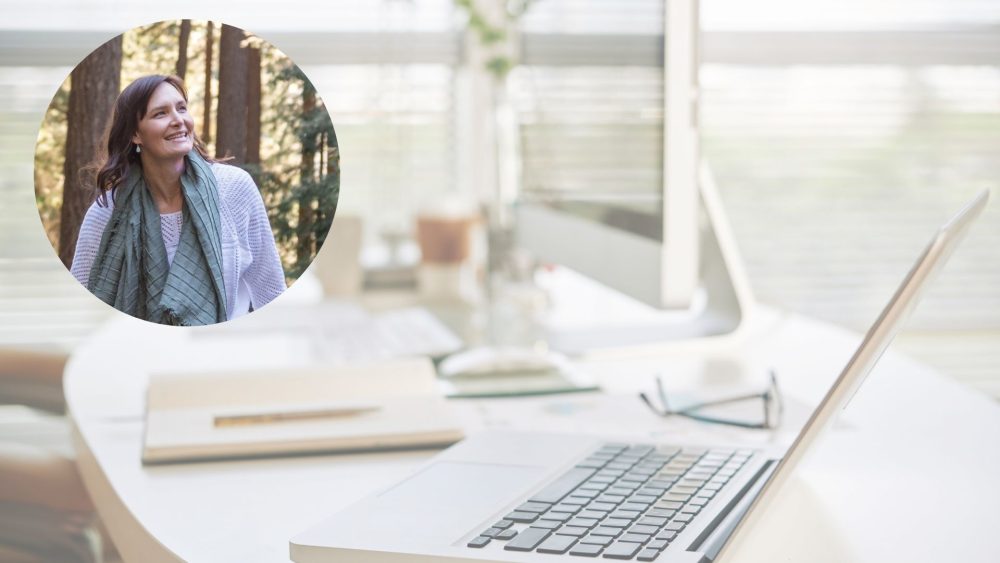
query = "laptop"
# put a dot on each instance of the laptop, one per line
(536, 497)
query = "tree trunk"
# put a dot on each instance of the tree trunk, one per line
(206, 131)
(182, 54)
(253, 106)
(333, 171)
(306, 245)
(94, 86)
(231, 124)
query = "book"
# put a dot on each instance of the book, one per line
(381, 405)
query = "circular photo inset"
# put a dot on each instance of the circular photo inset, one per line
(187, 172)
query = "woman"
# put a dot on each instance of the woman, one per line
(174, 237)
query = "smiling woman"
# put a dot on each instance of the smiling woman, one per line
(187, 172)
(174, 237)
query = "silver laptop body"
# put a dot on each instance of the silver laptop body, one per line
(474, 487)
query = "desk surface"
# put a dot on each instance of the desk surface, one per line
(910, 473)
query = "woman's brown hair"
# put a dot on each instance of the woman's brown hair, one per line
(120, 153)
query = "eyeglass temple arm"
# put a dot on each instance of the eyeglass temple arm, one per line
(725, 421)
(663, 396)
(725, 401)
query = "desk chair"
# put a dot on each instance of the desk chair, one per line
(45, 512)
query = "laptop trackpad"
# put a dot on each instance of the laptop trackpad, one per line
(447, 499)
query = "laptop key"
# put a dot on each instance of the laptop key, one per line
(481, 541)
(556, 544)
(586, 550)
(547, 524)
(556, 490)
(560, 516)
(491, 533)
(606, 531)
(634, 538)
(648, 555)
(657, 544)
(599, 540)
(644, 529)
(503, 524)
(620, 490)
(522, 517)
(536, 507)
(681, 489)
(505, 534)
(669, 505)
(563, 507)
(675, 526)
(621, 550)
(528, 539)
(577, 531)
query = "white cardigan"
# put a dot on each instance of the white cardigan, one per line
(251, 269)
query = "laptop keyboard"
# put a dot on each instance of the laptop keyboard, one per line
(623, 501)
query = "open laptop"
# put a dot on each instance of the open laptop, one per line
(535, 497)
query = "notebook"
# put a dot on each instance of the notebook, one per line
(385, 405)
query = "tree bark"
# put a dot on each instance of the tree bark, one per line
(231, 123)
(253, 106)
(206, 131)
(182, 54)
(94, 86)
(306, 243)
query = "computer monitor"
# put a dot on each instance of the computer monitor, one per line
(643, 243)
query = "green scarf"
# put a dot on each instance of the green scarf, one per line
(131, 271)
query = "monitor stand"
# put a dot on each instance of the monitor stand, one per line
(586, 316)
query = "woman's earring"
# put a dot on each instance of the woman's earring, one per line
(138, 149)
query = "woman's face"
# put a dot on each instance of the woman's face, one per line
(167, 129)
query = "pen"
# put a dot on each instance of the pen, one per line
(289, 416)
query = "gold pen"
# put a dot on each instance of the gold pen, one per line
(290, 416)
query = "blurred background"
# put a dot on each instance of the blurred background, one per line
(250, 103)
(841, 133)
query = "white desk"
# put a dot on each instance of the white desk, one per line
(912, 473)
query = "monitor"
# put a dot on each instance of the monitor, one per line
(643, 242)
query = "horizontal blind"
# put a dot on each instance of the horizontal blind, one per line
(40, 303)
(395, 126)
(588, 96)
(840, 143)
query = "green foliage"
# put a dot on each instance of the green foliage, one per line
(490, 34)
(294, 184)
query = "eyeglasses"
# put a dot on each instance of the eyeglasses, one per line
(770, 397)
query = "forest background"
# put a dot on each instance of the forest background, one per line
(251, 104)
